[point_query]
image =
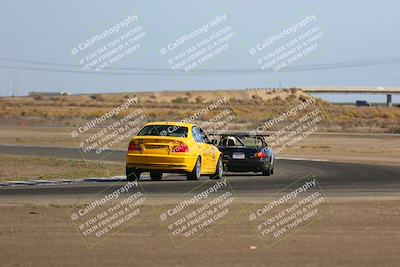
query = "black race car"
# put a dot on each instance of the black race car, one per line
(243, 152)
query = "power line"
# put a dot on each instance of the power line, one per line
(159, 71)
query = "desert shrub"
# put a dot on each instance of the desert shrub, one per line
(37, 97)
(152, 115)
(199, 99)
(97, 97)
(396, 129)
(290, 97)
(303, 98)
(256, 97)
(180, 100)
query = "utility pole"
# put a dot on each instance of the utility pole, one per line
(16, 86)
(15, 90)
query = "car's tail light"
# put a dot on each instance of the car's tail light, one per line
(181, 148)
(260, 155)
(134, 147)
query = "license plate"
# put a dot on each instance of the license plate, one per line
(236, 155)
(155, 147)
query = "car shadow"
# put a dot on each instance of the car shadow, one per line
(237, 174)
(177, 177)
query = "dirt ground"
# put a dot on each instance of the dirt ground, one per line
(50, 168)
(361, 148)
(356, 233)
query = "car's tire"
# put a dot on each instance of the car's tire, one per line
(132, 174)
(156, 175)
(268, 171)
(195, 174)
(226, 169)
(219, 170)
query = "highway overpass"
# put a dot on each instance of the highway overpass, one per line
(388, 91)
(355, 90)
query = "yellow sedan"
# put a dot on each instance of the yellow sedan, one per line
(172, 147)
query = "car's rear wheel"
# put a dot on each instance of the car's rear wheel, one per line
(132, 174)
(268, 171)
(195, 174)
(155, 175)
(219, 170)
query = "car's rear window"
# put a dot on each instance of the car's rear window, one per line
(164, 130)
(248, 141)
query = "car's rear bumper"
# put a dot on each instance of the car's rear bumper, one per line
(166, 163)
(246, 165)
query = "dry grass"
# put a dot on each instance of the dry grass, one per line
(251, 108)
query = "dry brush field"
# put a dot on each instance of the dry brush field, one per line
(251, 108)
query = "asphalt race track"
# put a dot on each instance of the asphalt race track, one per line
(336, 179)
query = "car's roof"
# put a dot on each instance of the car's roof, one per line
(173, 123)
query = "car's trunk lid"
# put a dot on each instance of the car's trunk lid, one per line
(156, 145)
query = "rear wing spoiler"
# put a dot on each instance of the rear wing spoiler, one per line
(239, 134)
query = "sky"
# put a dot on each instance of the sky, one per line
(359, 45)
